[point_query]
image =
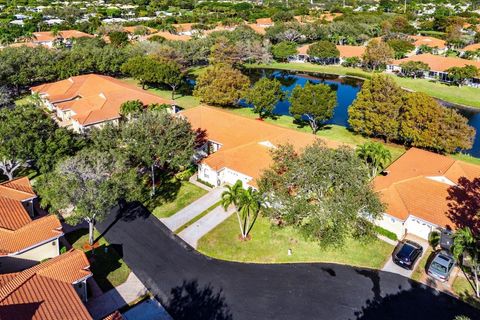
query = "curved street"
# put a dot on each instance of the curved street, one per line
(192, 286)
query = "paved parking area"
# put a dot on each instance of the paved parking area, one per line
(390, 266)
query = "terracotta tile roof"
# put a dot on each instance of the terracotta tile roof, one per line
(428, 41)
(472, 47)
(183, 27)
(264, 21)
(246, 143)
(32, 233)
(258, 29)
(46, 36)
(12, 212)
(171, 36)
(132, 29)
(345, 51)
(330, 16)
(418, 183)
(45, 291)
(439, 63)
(94, 98)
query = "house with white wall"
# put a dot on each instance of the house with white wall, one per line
(26, 238)
(91, 100)
(416, 191)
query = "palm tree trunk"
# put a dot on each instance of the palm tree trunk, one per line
(153, 179)
(239, 221)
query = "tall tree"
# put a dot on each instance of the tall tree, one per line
(159, 140)
(375, 110)
(221, 85)
(323, 192)
(169, 73)
(86, 186)
(377, 54)
(401, 47)
(460, 75)
(375, 155)
(131, 108)
(282, 50)
(264, 96)
(467, 244)
(141, 68)
(315, 102)
(323, 50)
(414, 69)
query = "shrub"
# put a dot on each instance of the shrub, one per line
(205, 183)
(185, 174)
(386, 233)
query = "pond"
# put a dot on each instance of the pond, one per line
(347, 89)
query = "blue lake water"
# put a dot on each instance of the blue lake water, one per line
(347, 89)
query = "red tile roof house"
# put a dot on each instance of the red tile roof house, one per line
(415, 189)
(345, 52)
(438, 46)
(25, 237)
(438, 66)
(53, 290)
(91, 100)
(47, 38)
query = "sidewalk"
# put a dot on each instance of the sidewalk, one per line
(193, 233)
(116, 298)
(194, 209)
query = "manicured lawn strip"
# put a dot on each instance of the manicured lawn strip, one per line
(270, 245)
(201, 215)
(108, 267)
(462, 287)
(331, 132)
(184, 101)
(420, 271)
(467, 96)
(179, 195)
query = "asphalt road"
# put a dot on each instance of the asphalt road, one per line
(192, 286)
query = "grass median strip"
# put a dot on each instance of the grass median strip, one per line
(201, 215)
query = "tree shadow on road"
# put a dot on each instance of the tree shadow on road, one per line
(190, 301)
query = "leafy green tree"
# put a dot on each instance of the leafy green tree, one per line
(466, 244)
(315, 102)
(323, 50)
(30, 138)
(169, 73)
(377, 106)
(141, 68)
(414, 69)
(131, 108)
(375, 156)
(400, 47)
(323, 192)
(247, 206)
(159, 140)
(221, 85)
(352, 62)
(264, 96)
(118, 39)
(282, 50)
(460, 75)
(225, 52)
(377, 54)
(87, 186)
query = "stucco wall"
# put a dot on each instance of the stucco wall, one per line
(391, 224)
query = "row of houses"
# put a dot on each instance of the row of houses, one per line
(416, 188)
(36, 281)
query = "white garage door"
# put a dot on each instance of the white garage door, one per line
(418, 228)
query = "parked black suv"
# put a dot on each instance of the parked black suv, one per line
(406, 253)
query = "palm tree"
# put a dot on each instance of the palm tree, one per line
(231, 196)
(466, 243)
(375, 155)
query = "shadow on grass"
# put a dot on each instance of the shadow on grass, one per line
(165, 192)
(105, 260)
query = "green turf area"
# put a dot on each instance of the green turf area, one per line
(420, 271)
(184, 101)
(107, 265)
(201, 215)
(173, 196)
(467, 96)
(27, 99)
(332, 132)
(270, 245)
(463, 288)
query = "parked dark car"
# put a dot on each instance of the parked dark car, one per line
(406, 253)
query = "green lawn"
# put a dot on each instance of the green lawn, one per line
(184, 101)
(173, 196)
(463, 288)
(270, 245)
(420, 271)
(465, 95)
(107, 265)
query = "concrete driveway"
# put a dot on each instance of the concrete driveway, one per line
(390, 266)
(194, 209)
(192, 286)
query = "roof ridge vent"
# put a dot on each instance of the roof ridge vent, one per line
(102, 95)
(267, 144)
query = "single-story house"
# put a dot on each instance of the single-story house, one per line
(438, 66)
(55, 289)
(47, 38)
(91, 100)
(415, 189)
(170, 36)
(238, 148)
(346, 51)
(25, 237)
(133, 30)
(439, 46)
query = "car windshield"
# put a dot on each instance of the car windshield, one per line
(405, 251)
(438, 267)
